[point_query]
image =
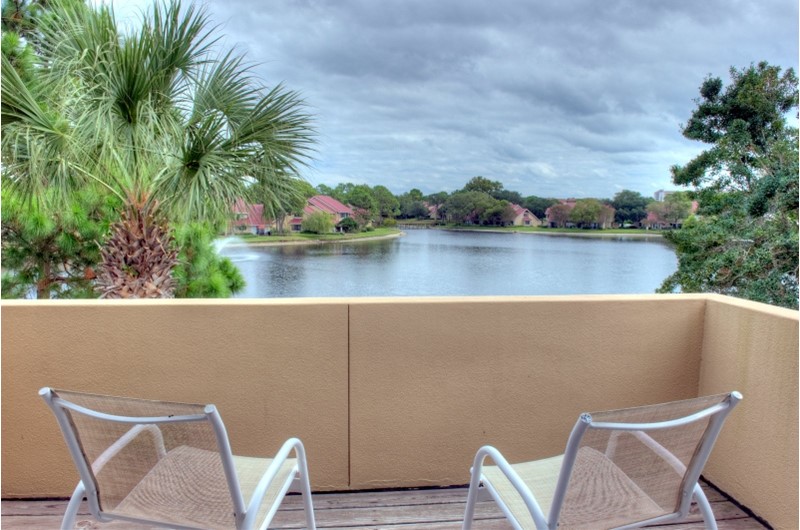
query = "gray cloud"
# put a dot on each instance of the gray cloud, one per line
(552, 98)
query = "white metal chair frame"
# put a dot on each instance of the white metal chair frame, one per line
(245, 515)
(689, 486)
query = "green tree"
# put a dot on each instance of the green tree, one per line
(348, 224)
(412, 205)
(158, 117)
(201, 272)
(52, 254)
(289, 202)
(744, 240)
(538, 205)
(361, 196)
(630, 206)
(418, 210)
(467, 206)
(388, 205)
(673, 210)
(559, 215)
(484, 185)
(18, 23)
(586, 212)
(740, 254)
(342, 191)
(318, 223)
(509, 196)
(745, 124)
(324, 189)
(498, 213)
(437, 198)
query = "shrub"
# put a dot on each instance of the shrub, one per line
(348, 224)
(318, 223)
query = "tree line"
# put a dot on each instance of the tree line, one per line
(483, 201)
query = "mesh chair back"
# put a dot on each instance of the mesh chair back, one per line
(622, 476)
(135, 466)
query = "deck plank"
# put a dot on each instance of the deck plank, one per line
(431, 509)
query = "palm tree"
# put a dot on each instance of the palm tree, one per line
(154, 116)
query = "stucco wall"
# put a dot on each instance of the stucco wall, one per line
(274, 370)
(753, 348)
(431, 382)
(402, 392)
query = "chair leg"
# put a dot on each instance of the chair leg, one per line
(305, 487)
(472, 498)
(68, 523)
(705, 508)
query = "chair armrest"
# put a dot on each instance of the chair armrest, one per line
(127, 438)
(513, 477)
(292, 444)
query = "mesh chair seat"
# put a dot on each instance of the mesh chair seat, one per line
(170, 464)
(188, 487)
(616, 499)
(626, 467)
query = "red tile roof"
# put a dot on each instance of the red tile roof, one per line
(249, 214)
(327, 204)
(518, 210)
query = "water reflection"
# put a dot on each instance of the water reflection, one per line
(434, 262)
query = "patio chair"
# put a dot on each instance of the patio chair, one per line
(170, 465)
(621, 469)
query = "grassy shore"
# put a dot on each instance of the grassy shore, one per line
(637, 232)
(296, 238)
(560, 231)
(299, 237)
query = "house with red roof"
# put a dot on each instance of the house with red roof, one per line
(524, 217)
(248, 218)
(329, 205)
(557, 216)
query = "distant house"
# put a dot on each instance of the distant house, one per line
(655, 221)
(324, 203)
(433, 210)
(248, 218)
(557, 215)
(296, 224)
(524, 217)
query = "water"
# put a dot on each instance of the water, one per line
(437, 262)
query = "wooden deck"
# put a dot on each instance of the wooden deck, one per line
(435, 509)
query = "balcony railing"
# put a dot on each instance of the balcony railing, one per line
(400, 392)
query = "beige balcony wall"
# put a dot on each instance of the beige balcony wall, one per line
(433, 380)
(754, 349)
(274, 370)
(401, 392)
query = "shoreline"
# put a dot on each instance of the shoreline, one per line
(593, 234)
(589, 235)
(312, 241)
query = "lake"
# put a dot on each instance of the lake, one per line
(439, 262)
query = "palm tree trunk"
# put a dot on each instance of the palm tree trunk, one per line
(138, 258)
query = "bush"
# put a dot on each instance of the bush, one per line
(201, 272)
(348, 224)
(389, 223)
(318, 223)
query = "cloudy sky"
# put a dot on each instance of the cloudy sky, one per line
(578, 98)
